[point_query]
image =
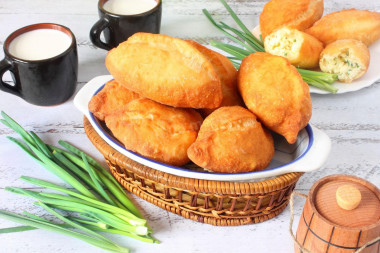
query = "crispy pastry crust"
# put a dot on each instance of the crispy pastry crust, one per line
(298, 14)
(274, 91)
(156, 131)
(347, 24)
(301, 49)
(167, 70)
(110, 99)
(348, 58)
(231, 140)
(227, 74)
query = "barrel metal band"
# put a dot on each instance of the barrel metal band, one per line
(332, 244)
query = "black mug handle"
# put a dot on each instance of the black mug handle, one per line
(95, 32)
(6, 65)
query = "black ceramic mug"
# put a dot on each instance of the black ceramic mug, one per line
(118, 28)
(46, 81)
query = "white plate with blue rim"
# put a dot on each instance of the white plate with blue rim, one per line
(369, 78)
(309, 153)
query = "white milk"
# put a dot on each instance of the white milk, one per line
(39, 44)
(129, 7)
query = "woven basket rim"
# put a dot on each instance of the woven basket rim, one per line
(190, 184)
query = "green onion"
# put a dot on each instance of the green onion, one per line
(74, 169)
(99, 224)
(30, 215)
(16, 229)
(91, 225)
(78, 204)
(41, 145)
(9, 122)
(58, 229)
(97, 181)
(107, 179)
(251, 44)
(75, 225)
(87, 200)
(61, 173)
(96, 197)
(94, 224)
(23, 147)
(90, 160)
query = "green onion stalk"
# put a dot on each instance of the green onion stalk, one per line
(95, 201)
(247, 44)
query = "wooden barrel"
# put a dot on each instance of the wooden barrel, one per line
(326, 227)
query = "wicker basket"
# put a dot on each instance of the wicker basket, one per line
(213, 202)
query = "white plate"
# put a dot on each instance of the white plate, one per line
(309, 152)
(372, 75)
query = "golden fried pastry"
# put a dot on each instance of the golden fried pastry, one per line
(167, 70)
(227, 74)
(298, 14)
(347, 24)
(110, 99)
(156, 131)
(231, 140)
(301, 49)
(274, 91)
(348, 58)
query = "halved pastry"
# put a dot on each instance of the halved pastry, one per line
(347, 24)
(156, 131)
(227, 74)
(274, 91)
(231, 140)
(167, 70)
(348, 58)
(298, 14)
(110, 99)
(301, 49)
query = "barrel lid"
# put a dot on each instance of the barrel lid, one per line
(323, 196)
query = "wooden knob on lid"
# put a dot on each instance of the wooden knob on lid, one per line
(348, 197)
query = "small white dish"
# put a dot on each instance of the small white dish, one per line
(309, 153)
(369, 78)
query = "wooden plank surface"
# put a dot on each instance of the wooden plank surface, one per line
(351, 120)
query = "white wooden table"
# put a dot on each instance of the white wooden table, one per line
(352, 121)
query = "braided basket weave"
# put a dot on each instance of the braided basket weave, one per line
(214, 202)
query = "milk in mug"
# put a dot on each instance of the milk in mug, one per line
(129, 7)
(39, 44)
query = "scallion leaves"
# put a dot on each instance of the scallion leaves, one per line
(97, 203)
(247, 43)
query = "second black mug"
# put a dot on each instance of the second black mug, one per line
(118, 28)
